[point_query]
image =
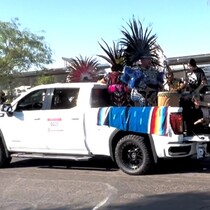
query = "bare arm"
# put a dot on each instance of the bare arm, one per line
(203, 83)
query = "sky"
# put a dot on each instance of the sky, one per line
(74, 28)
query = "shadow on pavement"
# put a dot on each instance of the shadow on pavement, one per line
(99, 164)
(173, 201)
(187, 165)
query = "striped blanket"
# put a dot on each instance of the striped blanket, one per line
(150, 120)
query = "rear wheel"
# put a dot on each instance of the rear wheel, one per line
(133, 156)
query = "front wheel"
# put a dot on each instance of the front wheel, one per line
(133, 156)
(4, 161)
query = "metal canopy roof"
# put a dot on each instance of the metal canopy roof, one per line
(201, 59)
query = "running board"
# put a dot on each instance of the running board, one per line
(51, 156)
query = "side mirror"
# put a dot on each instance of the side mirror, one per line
(7, 108)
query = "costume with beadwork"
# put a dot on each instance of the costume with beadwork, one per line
(118, 90)
(144, 83)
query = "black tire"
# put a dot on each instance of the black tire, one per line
(133, 156)
(4, 161)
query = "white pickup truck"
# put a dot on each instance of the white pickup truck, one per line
(75, 121)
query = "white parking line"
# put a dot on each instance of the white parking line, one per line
(112, 193)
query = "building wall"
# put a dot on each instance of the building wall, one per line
(60, 74)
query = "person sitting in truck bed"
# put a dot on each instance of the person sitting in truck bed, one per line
(118, 91)
(200, 115)
(144, 81)
(154, 81)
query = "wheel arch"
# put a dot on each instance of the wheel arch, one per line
(118, 134)
(113, 140)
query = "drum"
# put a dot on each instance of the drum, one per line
(168, 99)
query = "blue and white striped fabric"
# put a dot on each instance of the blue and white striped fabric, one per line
(150, 120)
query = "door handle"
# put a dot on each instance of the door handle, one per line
(37, 118)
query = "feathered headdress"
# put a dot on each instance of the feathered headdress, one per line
(81, 69)
(114, 56)
(139, 43)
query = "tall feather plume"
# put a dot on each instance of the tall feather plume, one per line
(115, 56)
(138, 43)
(82, 69)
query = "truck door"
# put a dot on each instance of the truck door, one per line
(23, 130)
(64, 126)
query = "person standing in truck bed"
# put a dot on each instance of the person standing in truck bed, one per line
(196, 79)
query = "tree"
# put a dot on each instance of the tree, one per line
(21, 50)
(44, 79)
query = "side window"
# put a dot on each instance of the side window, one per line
(65, 98)
(32, 101)
(100, 98)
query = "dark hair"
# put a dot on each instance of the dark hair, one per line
(192, 62)
(117, 67)
(196, 96)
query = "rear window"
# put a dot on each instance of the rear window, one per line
(65, 98)
(100, 98)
